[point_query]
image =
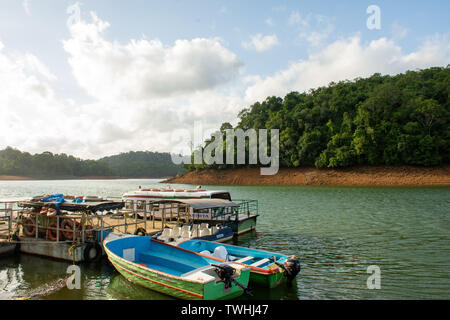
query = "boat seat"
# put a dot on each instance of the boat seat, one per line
(185, 235)
(204, 225)
(176, 232)
(243, 260)
(165, 235)
(259, 263)
(205, 232)
(196, 270)
(195, 231)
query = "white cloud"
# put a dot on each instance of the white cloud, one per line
(398, 31)
(26, 6)
(261, 43)
(145, 69)
(269, 22)
(141, 90)
(313, 28)
(348, 59)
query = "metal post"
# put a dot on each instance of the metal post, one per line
(145, 217)
(101, 229)
(163, 218)
(153, 215)
(83, 221)
(125, 216)
(37, 225)
(9, 226)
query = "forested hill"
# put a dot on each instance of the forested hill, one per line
(47, 165)
(143, 164)
(380, 120)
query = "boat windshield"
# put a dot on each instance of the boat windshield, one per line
(223, 195)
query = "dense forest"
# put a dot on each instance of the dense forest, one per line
(143, 164)
(380, 120)
(47, 165)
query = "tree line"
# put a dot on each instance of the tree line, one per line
(47, 165)
(379, 120)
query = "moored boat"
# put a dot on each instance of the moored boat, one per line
(203, 231)
(141, 198)
(267, 268)
(174, 271)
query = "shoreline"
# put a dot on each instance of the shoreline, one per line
(21, 178)
(309, 176)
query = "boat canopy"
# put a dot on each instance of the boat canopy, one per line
(68, 206)
(201, 203)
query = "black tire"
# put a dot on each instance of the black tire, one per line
(140, 232)
(92, 252)
(15, 237)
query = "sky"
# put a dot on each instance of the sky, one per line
(95, 78)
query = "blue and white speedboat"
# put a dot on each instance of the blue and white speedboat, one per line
(267, 268)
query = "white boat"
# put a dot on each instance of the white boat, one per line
(140, 200)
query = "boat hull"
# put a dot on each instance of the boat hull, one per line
(267, 280)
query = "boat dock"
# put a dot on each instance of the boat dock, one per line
(75, 232)
(23, 229)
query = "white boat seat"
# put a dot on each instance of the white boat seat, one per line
(165, 235)
(176, 232)
(195, 232)
(259, 263)
(185, 234)
(204, 232)
(167, 232)
(204, 225)
(243, 260)
(185, 228)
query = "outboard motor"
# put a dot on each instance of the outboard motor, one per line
(291, 268)
(225, 273)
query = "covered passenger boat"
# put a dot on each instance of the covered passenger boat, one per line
(138, 199)
(240, 217)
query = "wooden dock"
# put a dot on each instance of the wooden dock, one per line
(67, 250)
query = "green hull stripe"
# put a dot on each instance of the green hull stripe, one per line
(160, 283)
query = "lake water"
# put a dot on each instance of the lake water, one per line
(337, 232)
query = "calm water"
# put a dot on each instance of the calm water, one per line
(337, 232)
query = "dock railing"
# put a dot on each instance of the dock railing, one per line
(248, 207)
(79, 227)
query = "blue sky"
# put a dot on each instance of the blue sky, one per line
(293, 37)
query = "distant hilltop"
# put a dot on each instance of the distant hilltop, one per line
(400, 120)
(18, 165)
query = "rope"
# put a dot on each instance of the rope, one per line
(71, 250)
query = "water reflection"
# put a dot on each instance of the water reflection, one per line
(120, 288)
